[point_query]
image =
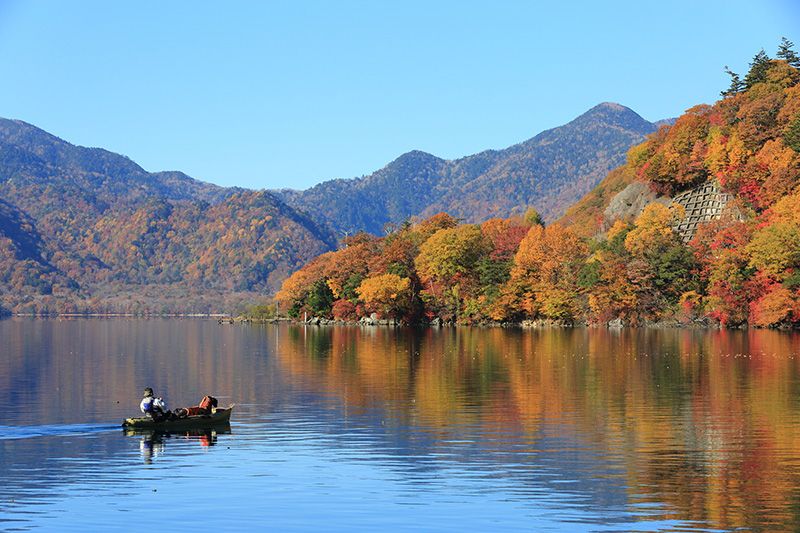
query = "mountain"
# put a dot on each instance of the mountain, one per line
(87, 229)
(549, 172)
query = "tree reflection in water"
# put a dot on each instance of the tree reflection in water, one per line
(703, 424)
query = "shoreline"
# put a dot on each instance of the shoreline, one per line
(218, 316)
(223, 318)
(706, 325)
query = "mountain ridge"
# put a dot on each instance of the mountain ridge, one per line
(463, 187)
(80, 223)
(87, 225)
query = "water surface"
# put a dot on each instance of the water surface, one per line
(374, 428)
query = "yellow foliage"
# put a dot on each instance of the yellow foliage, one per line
(717, 156)
(654, 226)
(385, 293)
(787, 209)
(544, 275)
(775, 249)
(619, 227)
(449, 252)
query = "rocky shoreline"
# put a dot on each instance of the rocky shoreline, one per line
(373, 320)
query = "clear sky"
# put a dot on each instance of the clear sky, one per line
(291, 93)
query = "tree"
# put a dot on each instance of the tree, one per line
(777, 306)
(758, 69)
(774, 249)
(344, 310)
(661, 266)
(504, 236)
(672, 160)
(533, 217)
(546, 272)
(351, 262)
(446, 266)
(387, 294)
(295, 289)
(791, 136)
(431, 225)
(397, 253)
(729, 276)
(320, 298)
(786, 52)
(736, 86)
(449, 252)
(653, 229)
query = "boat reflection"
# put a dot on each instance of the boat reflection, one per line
(153, 441)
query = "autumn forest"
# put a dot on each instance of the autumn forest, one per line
(740, 266)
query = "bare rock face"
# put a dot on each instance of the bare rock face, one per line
(701, 204)
(630, 202)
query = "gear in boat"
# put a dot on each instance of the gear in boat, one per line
(206, 413)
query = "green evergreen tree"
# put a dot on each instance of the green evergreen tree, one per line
(320, 298)
(736, 85)
(533, 217)
(786, 52)
(758, 69)
(791, 136)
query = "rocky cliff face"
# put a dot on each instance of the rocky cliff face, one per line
(630, 202)
(701, 204)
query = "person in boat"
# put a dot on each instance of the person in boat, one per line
(153, 406)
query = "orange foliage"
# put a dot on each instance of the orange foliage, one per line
(777, 306)
(545, 272)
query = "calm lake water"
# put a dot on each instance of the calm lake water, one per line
(348, 428)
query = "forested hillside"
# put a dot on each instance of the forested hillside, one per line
(617, 255)
(549, 172)
(84, 229)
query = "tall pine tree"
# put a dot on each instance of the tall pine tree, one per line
(786, 53)
(736, 86)
(791, 136)
(758, 69)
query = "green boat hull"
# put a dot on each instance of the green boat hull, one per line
(216, 418)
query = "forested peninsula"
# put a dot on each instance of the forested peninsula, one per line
(700, 226)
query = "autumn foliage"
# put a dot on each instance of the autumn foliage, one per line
(741, 268)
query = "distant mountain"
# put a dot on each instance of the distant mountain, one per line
(549, 172)
(77, 223)
(665, 122)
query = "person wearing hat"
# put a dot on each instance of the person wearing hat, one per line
(155, 407)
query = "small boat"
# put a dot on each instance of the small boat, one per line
(219, 416)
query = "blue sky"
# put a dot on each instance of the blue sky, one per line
(288, 94)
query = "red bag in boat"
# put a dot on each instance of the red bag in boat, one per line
(207, 403)
(195, 411)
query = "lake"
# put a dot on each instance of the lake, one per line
(364, 429)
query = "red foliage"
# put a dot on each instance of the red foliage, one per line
(504, 236)
(344, 310)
